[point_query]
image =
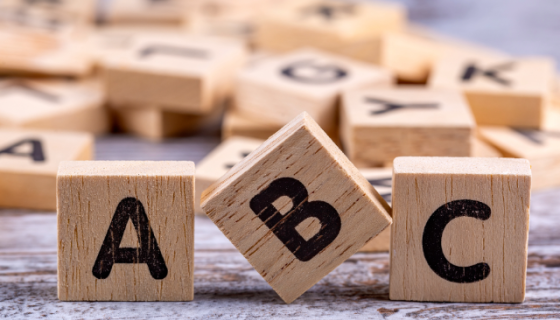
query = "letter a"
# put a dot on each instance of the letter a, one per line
(148, 252)
(36, 153)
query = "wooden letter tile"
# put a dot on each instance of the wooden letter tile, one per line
(173, 72)
(503, 92)
(29, 162)
(277, 89)
(296, 208)
(236, 124)
(381, 124)
(53, 105)
(219, 162)
(125, 231)
(460, 229)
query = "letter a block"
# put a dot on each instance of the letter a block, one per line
(296, 208)
(460, 229)
(125, 231)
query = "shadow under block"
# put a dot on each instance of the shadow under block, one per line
(174, 72)
(53, 105)
(125, 231)
(219, 162)
(344, 28)
(236, 124)
(296, 208)
(541, 148)
(277, 89)
(29, 162)
(382, 180)
(378, 125)
(502, 92)
(460, 229)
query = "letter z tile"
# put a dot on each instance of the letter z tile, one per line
(296, 208)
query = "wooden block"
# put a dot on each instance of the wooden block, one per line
(460, 229)
(277, 89)
(556, 93)
(125, 231)
(85, 10)
(44, 42)
(411, 53)
(382, 180)
(143, 11)
(541, 147)
(296, 208)
(29, 161)
(219, 162)
(352, 29)
(378, 125)
(69, 105)
(236, 124)
(481, 149)
(502, 92)
(174, 72)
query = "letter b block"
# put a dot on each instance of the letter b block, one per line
(125, 231)
(460, 229)
(296, 208)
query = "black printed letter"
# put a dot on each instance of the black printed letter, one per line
(433, 233)
(309, 72)
(36, 154)
(284, 226)
(490, 73)
(148, 252)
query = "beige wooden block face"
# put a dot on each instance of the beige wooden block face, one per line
(154, 67)
(460, 229)
(220, 161)
(511, 92)
(481, 148)
(277, 89)
(348, 28)
(381, 124)
(53, 105)
(143, 11)
(29, 161)
(125, 231)
(296, 208)
(235, 124)
(382, 180)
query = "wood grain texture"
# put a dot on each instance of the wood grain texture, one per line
(460, 229)
(236, 124)
(125, 231)
(380, 124)
(296, 208)
(29, 162)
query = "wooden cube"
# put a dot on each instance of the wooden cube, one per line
(378, 125)
(125, 231)
(541, 147)
(502, 92)
(277, 89)
(460, 229)
(296, 208)
(236, 124)
(382, 180)
(177, 73)
(351, 29)
(219, 162)
(143, 11)
(29, 161)
(53, 105)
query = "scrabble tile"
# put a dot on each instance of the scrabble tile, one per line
(382, 180)
(481, 148)
(411, 53)
(178, 73)
(352, 29)
(125, 231)
(29, 161)
(277, 89)
(219, 162)
(42, 42)
(296, 208)
(460, 229)
(143, 11)
(380, 124)
(236, 124)
(69, 105)
(502, 92)
(540, 147)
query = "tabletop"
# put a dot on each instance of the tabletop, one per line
(226, 286)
